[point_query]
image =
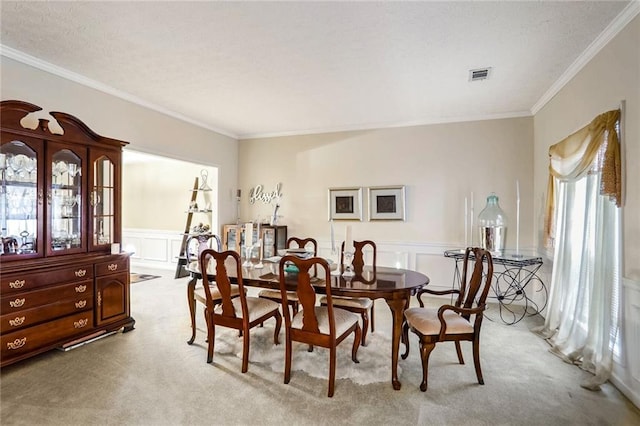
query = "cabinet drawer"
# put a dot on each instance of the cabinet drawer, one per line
(50, 333)
(31, 299)
(28, 317)
(12, 283)
(121, 264)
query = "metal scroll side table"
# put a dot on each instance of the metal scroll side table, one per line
(517, 275)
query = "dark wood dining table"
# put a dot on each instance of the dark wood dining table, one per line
(394, 285)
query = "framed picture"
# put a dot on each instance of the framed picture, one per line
(345, 203)
(386, 203)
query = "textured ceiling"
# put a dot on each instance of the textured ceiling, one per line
(268, 68)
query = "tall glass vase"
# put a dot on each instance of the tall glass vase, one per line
(492, 223)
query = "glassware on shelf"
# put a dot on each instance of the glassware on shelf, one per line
(73, 170)
(58, 168)
(18, 199)
(492, 223)
(31, 169)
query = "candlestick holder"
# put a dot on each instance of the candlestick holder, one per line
(259, 265)
(348, 266)
(247, 258)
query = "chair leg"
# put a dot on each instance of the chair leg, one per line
(211, 337)
(245, 350)
(332, 370)
(276, 333)
(365, 327)
(287, 359)
(405, 339)
(425, 351)
(459, 352)
(373, 305)
(206, 323)
(476, 359)
(356, 344)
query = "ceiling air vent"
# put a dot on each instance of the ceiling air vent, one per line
(479, 74)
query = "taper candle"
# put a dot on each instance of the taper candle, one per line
(466, 215)
(471, 219)
(348, 241)
(333, 239)
(517, 216)
(248, 234)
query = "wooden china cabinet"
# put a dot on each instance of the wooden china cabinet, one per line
(60, 205)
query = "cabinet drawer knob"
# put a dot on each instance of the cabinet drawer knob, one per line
(17, 303)
(81, 272)
(81, 304)
(112, 267)
(16, 322)
(17, 284)
(81, 289)
(81, 323)
(17, 344)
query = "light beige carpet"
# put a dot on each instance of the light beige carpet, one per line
(374, 365)
(150, 376)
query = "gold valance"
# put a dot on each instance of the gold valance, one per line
(594, 148)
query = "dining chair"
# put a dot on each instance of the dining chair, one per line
(324, 326)
(204, 242)
(241, 313)
(359, 305)
(292, 299)
(459, 322)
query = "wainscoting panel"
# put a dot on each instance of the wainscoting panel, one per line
(152, 248)
(130, 245)
(632, 330)
(155, 249)
(160, 249)
(626, 369)
(438, 268)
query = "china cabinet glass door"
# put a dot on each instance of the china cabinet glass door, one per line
(20, 199)
(65, 200)
(102, 201)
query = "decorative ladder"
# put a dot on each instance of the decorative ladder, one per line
(182, 257)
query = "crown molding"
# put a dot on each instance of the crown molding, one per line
(80, 79)
(379, 126)
(621, 21)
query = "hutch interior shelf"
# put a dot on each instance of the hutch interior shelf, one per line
(61, 281)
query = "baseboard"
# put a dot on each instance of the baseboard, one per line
(622, 386)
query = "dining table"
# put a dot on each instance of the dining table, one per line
(394, 285)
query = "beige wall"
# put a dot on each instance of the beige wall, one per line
(613, 75)
(146, 130)
(158, 193)
(438, 164)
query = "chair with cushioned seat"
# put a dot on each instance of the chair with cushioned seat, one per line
(292, 299)
(359, 305)
(241, 313)
(192, 252)
(324, 326)
(459, 322)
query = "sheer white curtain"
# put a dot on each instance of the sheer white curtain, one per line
(582, 316)
(583, 225)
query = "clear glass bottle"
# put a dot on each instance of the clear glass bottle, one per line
(493, 225)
